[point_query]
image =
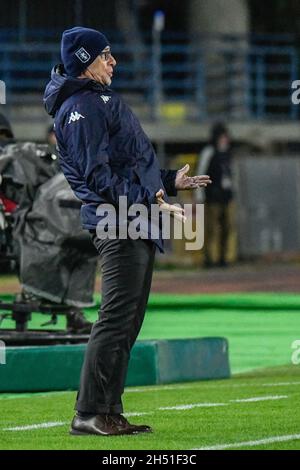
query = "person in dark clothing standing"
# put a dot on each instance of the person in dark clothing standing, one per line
(215, 159)
(105, 154)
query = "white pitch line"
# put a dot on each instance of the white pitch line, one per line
(31, 427)
(158, 389)
(280, 384)
(268, 440)
(166, 408)
(17, 396)
(242, 400)
(192, 405)
(256, 384)
(203, 386)
(254, 399)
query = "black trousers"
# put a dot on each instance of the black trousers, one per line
(127, 267)
(218, 227)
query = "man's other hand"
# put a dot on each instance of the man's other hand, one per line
(183, 181)
(175, 211)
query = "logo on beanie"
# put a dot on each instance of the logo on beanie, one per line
(82, 55)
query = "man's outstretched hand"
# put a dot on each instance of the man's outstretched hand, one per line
(175, 211)
(183, 181)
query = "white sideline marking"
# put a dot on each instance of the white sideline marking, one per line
(149, 389)
(270, 397)
(241, 400)
(192, 405)
(166, 408)
(204, 386)
(54, 424)
(36, 426)
(257, 384)
(16, 396)
(279, 384)
(157, 389)
(268, 440)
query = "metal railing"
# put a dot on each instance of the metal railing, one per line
(239, 80)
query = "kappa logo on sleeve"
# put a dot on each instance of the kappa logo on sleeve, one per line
(82, 55)
(75, 117)
(105, 98)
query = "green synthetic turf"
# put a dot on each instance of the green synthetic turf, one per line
(258, 335)
(173, 429)
(260, 329)
(256, 338)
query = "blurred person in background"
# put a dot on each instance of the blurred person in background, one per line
(215, 160)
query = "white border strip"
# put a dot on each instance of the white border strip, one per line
(205, 385)
(248, 400)
(191, 406)
(31, 427)
(268, 440)
(150, 389)
(166, 408)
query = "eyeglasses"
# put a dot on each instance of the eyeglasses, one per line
(106, 55)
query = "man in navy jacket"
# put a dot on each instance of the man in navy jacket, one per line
(105, 154)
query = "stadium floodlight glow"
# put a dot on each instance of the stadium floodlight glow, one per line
(2, 92)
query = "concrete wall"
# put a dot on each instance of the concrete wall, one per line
(268, 205)
(31, 121)
(225, 80)
(219, 16)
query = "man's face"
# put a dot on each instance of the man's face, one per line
(101, 70)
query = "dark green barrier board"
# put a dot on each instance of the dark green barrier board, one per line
(42, 368)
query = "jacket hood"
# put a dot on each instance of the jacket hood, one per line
(61, 87)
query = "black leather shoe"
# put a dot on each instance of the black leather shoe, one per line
(100, 425)
(123, 424)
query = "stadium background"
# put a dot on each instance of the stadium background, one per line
(235, 61)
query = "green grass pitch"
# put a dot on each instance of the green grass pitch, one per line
(253, 410)
(261, 409)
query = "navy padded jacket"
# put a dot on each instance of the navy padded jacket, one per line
(103, 150)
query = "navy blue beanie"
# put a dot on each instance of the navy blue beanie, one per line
(80, 47)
